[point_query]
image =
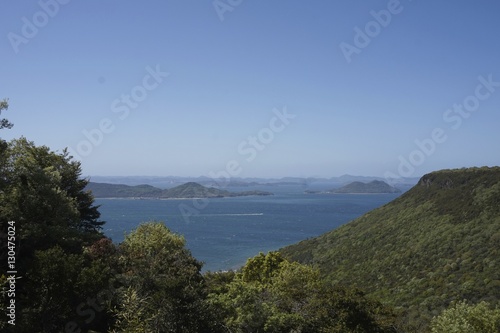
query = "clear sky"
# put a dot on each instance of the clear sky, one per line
(255, 88)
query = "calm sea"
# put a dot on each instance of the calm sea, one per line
(225, 232)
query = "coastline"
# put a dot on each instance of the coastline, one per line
(194, 198)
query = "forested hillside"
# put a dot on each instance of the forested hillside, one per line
(437, 243)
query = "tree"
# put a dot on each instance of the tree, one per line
(63, 287)
(462, 317)
(4, 123)
(163, 280)
(42, 193)
(45, 195)
(262, 267)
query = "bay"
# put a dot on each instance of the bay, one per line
(224, 232)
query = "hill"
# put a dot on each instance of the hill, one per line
(436, 243)
(194, 190)
(184, 191)
(104, 190)
(376, 186)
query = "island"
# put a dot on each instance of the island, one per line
(188, 190)
(373, 187)
(376, 186)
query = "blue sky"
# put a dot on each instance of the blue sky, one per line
(255, 88)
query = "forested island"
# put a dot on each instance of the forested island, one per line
(188, 190)
(376, 186)
(357, 187)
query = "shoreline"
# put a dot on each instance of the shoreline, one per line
(200, 198)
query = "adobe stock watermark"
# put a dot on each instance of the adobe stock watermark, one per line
(12, 252)
(223, 6)
(373, 28)
(248, 150)
(31, 26)
(453, 116)
(121, 107)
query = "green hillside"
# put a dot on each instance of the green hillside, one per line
(376, 186)
(194, 190)
(436, 243)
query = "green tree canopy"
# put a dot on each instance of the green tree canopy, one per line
(271, 294)
(163, 280)
(462, 317)
(43, 192)
(44, 196)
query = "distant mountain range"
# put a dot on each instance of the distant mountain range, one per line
(184, 191)
(170, 181)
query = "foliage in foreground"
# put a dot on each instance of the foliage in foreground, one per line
(54, 219)
(271, 294)
(461, 318)
(162, 287)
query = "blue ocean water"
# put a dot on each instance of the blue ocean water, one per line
(224, 232)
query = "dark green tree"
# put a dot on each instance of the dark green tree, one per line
(163, 288)
(44, 196)
(65, 289)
